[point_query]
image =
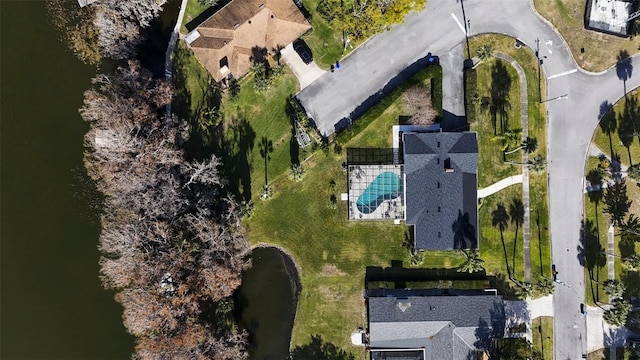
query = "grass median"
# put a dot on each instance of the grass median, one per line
(491, 167)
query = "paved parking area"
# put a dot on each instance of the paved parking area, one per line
(306, 73)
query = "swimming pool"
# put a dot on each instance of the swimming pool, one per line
(386, 186)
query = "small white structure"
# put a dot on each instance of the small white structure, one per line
(610, 16)
(358, 338)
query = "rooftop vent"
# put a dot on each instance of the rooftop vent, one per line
(447, 166)
(403, 304)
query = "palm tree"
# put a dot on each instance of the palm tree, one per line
(613, 288)
(538, 163)
(631, 226)
(472, 262)
(529, 145)
(500, 219)
(485, 52)
(267, 192)
(632, 262)
(510, 136)
(545, 286)
(297, 172)
(516, 212)
(617, 314)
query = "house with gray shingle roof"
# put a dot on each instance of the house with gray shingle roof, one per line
(441, 185)
(442, 327)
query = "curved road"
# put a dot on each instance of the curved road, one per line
(572, 117)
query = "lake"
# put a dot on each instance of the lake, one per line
(267, 303)
(53, 305)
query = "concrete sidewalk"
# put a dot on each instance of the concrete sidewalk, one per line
(504, 183)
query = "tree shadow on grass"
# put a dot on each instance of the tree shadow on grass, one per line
(233, 145)
(591, 255)
(497, 103)
(608, 122)
(627, 124)
(318, 349)
(627, 247)
(631, 279)
(294, 149)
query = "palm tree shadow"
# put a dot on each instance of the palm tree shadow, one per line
(500, 219)
(591, 255)
(628, 126)
(624, 68)
(516, 211)
(464, 233)
(608, 122)
(497, 104)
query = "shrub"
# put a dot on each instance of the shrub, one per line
(634, 172)
(472, 98)
(326, 9)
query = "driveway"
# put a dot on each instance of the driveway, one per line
(306, 73)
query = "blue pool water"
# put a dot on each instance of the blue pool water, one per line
(386, 186)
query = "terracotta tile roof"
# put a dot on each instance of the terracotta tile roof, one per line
(242, 29)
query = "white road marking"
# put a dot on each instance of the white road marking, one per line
(562, 74)
(549, 45)
(459, 24)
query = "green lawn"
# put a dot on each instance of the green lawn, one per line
(595, 241)
(540, 236)
(612, 120)
(325, 43)
(607, 143)
(193, 9)
(491, 167)
(194, 88)
(333, 252)
(543, 336)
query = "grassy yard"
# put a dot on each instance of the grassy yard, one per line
(193, 9)
(613, 144)
(325, 43)
(491, 167)
(543, 336)
(612, 120)
(592, 50)
(595, 242)
(332, 253)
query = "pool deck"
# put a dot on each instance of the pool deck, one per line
(360, 177)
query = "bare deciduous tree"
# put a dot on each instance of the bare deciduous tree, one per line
(417, 101)
(170, 240)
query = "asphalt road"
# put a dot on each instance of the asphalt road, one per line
(573, 117)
